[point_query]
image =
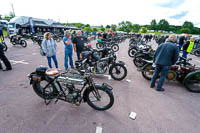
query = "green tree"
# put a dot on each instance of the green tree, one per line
(163, 25)
(135, 27)
(102, 28)
(87, 29)
(94, 29)
(125, 26)
(114, 27)
(153, 25)
(172, 28)
(108, 26)
(144, 30)
(185, 30)
(188, 25)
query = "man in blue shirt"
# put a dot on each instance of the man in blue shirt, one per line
(68, 50)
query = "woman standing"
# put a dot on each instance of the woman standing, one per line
(68, 50)
(49, 48)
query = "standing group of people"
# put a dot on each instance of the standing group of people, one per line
(71, 45)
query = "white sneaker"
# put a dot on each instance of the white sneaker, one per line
(59, 69)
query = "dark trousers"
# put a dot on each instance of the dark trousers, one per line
(5, 60)
(164, 71)
(78, 54)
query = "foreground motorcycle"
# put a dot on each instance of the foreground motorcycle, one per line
(64, 86)
(182, 71)
(16, 40)
(101, 63)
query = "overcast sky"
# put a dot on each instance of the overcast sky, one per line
(97, 12)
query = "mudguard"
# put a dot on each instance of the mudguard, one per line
(121, 62)
(104, 85)
(190, 74)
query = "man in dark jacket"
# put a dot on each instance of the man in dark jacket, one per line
(166, 55)
(2, 55)
(181, 42)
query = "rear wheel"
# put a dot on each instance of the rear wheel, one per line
(118, 71)
(115, 47)
(101, 100)
(192, 82)
(49, 93)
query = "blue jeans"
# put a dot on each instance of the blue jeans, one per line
(68, 54)
(184, 54)
(164, 71)
(78, 54)
(54, 59)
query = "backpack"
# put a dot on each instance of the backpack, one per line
(42, 53)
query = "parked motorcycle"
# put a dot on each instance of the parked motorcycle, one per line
(182, 71)
(100, 64)
(63, 86)
(17, 40)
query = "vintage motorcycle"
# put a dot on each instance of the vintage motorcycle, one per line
(182, 71)
(17, 40)
(99, 62)
(75, 88)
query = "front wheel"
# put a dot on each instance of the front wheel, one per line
(197, 53)
(118, 71)
(115, 47)
(148, 71)
(138, 61)
(131, 52)
(99, 45)
(23, 43)
(192, 82)
(102, 99)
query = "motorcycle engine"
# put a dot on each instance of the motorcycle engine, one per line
(171, 75)
(100, 68)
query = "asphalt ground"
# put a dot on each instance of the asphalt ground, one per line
(21, 111)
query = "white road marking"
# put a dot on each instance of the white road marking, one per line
(99, 129)
(109, 77)
(34, 53)
(19, 62)
(133, 115)
(128, 80)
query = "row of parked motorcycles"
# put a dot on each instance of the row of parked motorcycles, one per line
(183, 71)
(78, 86)
(36, 38)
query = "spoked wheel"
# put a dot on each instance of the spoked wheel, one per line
(5, 47)
(192, 82)
(99, 45)
(49, 93)
(147, 72)
(23, 43)
(118, 71)
(101, 100)
(138, 62)
(197, 53)
(131, 52)
(115, 47)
